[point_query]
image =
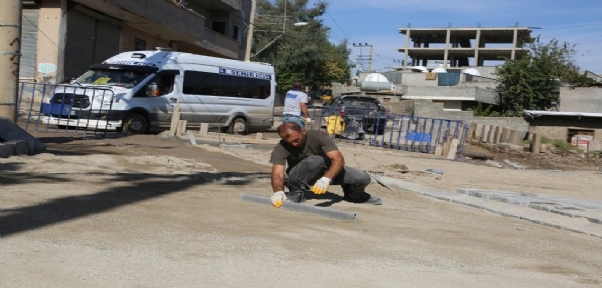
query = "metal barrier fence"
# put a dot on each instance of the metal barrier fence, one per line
(391, 131)
(64, 108)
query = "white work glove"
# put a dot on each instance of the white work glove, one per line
(278, 198)
(308, 121)
(321, 186)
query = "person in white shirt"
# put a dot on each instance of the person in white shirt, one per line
(295, 106)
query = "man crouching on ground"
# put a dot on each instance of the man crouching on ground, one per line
(313, 157)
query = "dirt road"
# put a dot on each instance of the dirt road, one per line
(142, 212)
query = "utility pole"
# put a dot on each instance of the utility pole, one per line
(250, 31)
(361, 45)
(10, 54)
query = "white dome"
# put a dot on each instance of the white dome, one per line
(439, 70)
(376, 77)
(420, 69)
(471, 71)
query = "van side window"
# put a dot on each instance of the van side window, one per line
(162, 84)
(204, 83)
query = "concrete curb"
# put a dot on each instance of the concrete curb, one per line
(571, 207)
(579, 225)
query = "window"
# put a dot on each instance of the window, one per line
(139, 44)
(583, 133)
(236, 33)
(219, 27)
(164, 81)
(203, 83)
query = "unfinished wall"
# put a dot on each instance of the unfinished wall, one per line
(426, 108)
(417, 79)
(581, 99)
(514, 123)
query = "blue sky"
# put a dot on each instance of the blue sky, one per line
(377, 23)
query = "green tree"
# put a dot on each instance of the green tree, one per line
(301, 53)
(533, 82)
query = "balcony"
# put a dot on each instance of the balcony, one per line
(225, 5)
(161, 18)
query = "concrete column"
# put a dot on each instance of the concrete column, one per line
(446, 51)
(536, 144)
(10, 55)
(476, 49)
(405, 57)
(51, 41)
(514, 44)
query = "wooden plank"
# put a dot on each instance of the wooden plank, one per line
(453, 149)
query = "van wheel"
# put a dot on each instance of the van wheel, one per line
(239, 126)
(134, 123)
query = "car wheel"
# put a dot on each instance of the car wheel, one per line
(135, 123)
(239, 126)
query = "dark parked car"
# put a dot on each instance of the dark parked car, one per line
(368, 111)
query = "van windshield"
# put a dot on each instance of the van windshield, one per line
(113, 77)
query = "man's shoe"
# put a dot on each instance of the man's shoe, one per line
(364, 198)
(295, 196)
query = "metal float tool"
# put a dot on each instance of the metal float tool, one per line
(292, 206)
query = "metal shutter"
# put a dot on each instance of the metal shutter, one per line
(29, 42)
(89, 41)
(79, 46)
(108, 37)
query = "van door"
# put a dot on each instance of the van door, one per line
(159, 97)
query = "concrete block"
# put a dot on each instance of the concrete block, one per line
(203, 131)
(20, 147)
(232, 146)
(6, 150)
(478, 132)
(485, 136)
(10, 131)
(492, 134)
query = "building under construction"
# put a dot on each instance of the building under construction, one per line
(456, 46)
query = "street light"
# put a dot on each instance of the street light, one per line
(252, 24)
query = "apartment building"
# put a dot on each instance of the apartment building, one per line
(62, 38)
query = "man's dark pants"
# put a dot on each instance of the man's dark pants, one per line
(311, 169)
